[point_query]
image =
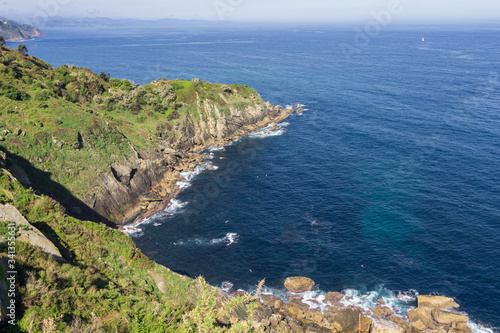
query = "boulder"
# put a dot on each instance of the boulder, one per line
(278, 304)
(382, 311)
(418, 325)
(296, 312)
(438, 302)
(421, 314)
(401, 322)
(385, 326)
(275, 320)
(299, 284)
(333, 297)
(314, 315)
(273, 126)
(268, 300)
(294, 302)
(299, 111)
(350, 320)
(448, 317)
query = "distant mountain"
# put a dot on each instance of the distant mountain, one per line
(79, 22)
(15, 32)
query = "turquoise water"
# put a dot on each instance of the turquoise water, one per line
(389, 182)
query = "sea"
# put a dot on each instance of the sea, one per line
(387, 184)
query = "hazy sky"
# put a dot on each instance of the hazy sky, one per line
(316, 11)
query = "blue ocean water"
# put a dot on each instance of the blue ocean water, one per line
(388, 182)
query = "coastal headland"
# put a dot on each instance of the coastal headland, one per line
(78, 148)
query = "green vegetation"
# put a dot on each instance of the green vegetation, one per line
(106, 283)
(22, 48)
(72, 124)
(60, 128)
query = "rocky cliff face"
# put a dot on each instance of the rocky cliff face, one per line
(109, 149)
(148, 180)
(15, 32)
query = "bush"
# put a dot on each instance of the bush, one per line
(43, 95)
(13, 93)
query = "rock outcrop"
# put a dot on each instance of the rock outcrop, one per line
(438, 302)
(299, 284)
(27, 232)
(432, 315)
(146, 183)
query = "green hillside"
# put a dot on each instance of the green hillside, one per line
(64, 127)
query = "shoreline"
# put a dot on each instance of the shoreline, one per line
(145, 209)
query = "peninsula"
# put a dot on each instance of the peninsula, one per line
(81, 153)
(16, 32)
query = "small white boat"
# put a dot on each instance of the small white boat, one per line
(423, 39)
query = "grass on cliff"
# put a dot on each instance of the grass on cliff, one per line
(74, 124)
(106, 280)
(106, 284)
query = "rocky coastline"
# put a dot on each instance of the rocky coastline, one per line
(168, 164)
(436, 314)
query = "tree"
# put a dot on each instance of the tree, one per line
(22, 48)
(2, 40)
(105, 76)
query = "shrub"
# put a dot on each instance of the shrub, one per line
(13, 93)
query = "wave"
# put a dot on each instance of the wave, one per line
(266, 131)
(174, 206)
(229, 239)
(399, 302)
(189, 175)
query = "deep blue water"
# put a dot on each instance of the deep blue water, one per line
(389, 181)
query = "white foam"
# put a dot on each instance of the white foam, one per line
(213, 149)
(477, 328)
(226, 286)
(133, 230)
(266, 131)
(174, 206)
(400, 303)
(304, 110)
(229, 239)
(188, 176)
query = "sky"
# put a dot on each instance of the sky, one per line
(280, 11)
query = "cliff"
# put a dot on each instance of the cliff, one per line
(105, 147)
(16, 32)
(98, 145)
